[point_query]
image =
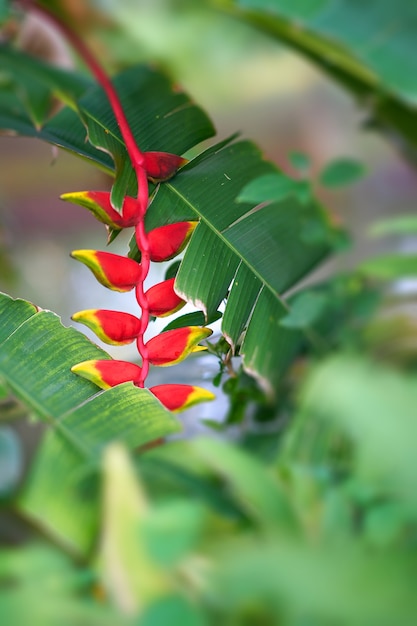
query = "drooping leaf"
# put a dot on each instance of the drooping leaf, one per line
(22, 70)
(155, 111)
(36, 356)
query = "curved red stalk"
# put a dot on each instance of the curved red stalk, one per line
(137, 159)
(143, 246)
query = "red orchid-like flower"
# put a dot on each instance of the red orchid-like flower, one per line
(162, 299)
(113, 327)
(173, 346)
(108, 373)
(115, 272)
(99, 203)
(161, 166)
(167, 241)
(180, 397)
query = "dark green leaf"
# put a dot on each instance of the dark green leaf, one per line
(196, 318)
(268, 348)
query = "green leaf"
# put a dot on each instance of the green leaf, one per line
(341, 172)
(245, 289)
(390, 267)
(174, 610)
(341, 582)
(132, 576)
(36, 571)
(270, 187)
(268, 348)
(377, 408)
(236, 251)
(300, 161)
(255, 489)
(306, 308)
(11, 460)
(155, 111)
(19, 67)
(35, 361)
(195, 318)
(34, 84)
(399, 225)
(5, 10)
(357, 46)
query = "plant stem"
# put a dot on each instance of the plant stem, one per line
(143, 245)
(136, 157)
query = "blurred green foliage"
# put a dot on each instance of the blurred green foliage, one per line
(301, 508)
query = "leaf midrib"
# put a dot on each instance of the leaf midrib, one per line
(228, 244)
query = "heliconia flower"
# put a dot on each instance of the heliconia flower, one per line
(173, 346)
(163, 300)
(114, 327)
(161, 166)
(180, 397)
(98, 202)
(167, 241)
(108, 373)
(116, 272)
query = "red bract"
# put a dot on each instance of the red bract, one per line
(115, 272)
(162, 299)
(98, 202)
(177, 398)
(167, 241)
(113, 327)
(175, 345)
(161, 166)
(108, 373)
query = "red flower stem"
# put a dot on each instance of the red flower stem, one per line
(135, 154)
(137, 159)
(143, 245)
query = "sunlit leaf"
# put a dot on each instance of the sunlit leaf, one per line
(36, 358)
(390, 267)
(398, 225)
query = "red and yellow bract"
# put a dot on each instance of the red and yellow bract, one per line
(108, 373)
(173, 346)
(167, 241)
(177, 398)
(115, 272)
(113, 327)
(162, 299)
